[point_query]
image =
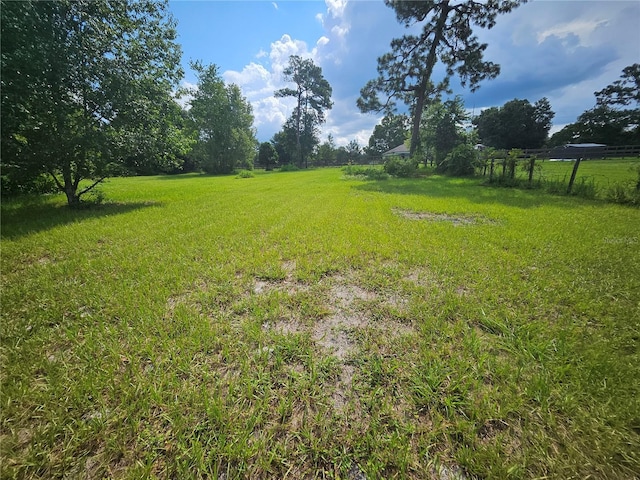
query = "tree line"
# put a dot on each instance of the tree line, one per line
(90, 90)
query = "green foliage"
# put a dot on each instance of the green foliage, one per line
(313, 97)
(401, 167)
(326, 154)
(625, 192)
(391, 132)
(87, 86)
(13, 184)
(615, 120)
(368, 173)
(405, 72)
(245, 174)
(610, 180)
(289, 167)
(334, 333)
(353, 151)
(442, 129)
(461, 162)
(267, 155)
(517, 124)
(223, 119)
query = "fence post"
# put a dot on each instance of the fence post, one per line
(573, 174)
(532, 163)
(491, 170)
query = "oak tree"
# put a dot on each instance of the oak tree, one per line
(85, 86)
(517, 124)
(223, 119)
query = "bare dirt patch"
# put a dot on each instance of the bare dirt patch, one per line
(284, 326)
(456, 220)
(337, 333)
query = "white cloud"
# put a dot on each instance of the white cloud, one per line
(259, 81)
(336, 7)
(346, 123)
(335, 19)
(340, 30)
(562, 50)
(322, 41)
(581, 28)
(275, 5)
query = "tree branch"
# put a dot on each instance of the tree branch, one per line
(89, 188)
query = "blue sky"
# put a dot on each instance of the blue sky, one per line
(562, 49)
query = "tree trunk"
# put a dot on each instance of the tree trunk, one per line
(298, 144)
(421, 93)
(421, 90)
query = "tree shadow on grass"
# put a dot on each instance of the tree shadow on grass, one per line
(21, 217)
(470, 189)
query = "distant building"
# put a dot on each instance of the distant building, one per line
(572, 151)
(400, 151)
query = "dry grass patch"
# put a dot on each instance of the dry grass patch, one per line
(456, 220)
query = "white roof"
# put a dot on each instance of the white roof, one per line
(584, 145)
(397, 150)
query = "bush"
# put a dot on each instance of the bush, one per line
(585, 188)
(461, 162)
(289, 167)
(624, 193)
(368, 173)
(245, 174)
(401, 167)
(16, 183)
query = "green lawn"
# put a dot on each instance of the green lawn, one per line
(305, 325)
(603, 174)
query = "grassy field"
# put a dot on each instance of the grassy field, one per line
(307, 325)
(599, 176)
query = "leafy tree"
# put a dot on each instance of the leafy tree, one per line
(460, 161)
(293, 145)
(85, 86)
(615, 120)
(267, 155)
(442, 128)
(223, 119)
(624, 93)
(405, 74)
(284, 142)
(342, 156)
(168, 128)
(313, 97)
(353, 151)
(517, 124)
(390, 133)
(327, 152)
(600, 124)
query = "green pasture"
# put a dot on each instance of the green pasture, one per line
(603, 174)
(311, 325)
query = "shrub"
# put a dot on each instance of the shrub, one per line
(368, 173)
(401, 167)
(15, 184)
(624, 193)
(289, 167)
(461, 162)
(585, 188)
(245, 174)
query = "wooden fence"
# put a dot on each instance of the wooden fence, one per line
(568, 152)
